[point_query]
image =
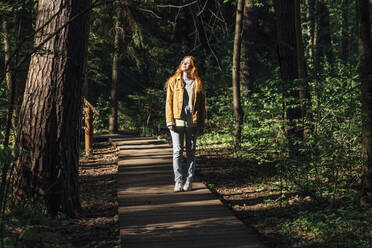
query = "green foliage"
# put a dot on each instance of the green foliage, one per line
(332, 146)
(5, 155)
(28, 227)
(151, 118)
(343, 226)
(103, 107)
(263, 122)
(219, 110)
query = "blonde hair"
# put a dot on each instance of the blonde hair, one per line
(194, 73)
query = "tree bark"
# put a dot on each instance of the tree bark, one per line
(304, 95)
(316, 38)
(310, 26)
(248, 47)
(24, 34)
(11, 95)
(9, 81)
(50, 116)
(325, 41)
(344, 31)
(238, 112)
(299, 43)
(113, 118)
(289, 70)
(365, 73)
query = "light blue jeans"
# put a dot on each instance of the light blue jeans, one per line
(178, 140)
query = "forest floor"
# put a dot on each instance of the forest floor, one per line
(98, 226)
(283, 218)
(252, 191)
(239, 186)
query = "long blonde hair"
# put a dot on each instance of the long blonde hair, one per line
(194, 73)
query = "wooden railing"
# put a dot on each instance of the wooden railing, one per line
(89, 128)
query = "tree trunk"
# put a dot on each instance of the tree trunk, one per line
(248, 46)
(289, 69)
(238, 113)
(310, 26)
(316, 39)
(325, 41)
(113, 119)
(365, 73)
(344, 31)
(49, 123)
(304, 95)
(24, 33)
(11, 94)
(9, 81)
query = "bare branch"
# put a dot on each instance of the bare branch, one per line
(202, 10)
(53, 34)
(176, 6)
(210, 48)
(218, 18)
(150, 11)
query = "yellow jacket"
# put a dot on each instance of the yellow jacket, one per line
(174, 102)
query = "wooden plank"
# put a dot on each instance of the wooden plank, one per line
(152, 215)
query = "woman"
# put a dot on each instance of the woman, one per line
(185, 110)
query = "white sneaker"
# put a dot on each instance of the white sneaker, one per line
(187, 186)
(178, 187)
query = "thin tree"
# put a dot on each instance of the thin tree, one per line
(8, 79)
(304, 95)
(315, 39)
(344, 30)
(113, 118)
(249, 27)
(238, 112)
(49, 123)
(11, 94)
(325, 39)
(310, 26)
(365, 74)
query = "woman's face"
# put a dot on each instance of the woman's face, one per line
(186, 65)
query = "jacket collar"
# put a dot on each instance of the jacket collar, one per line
(179, 77)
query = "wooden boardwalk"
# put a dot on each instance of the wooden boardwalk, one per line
(153, 216)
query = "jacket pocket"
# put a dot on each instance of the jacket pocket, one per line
(177, 101)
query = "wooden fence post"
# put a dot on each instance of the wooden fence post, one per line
(89, 128)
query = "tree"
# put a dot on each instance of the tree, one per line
(344, 30)
(9, 81)
(304, 95)
(315, 38)
(324, 42)
(113, 119)
(238, 112)
(365, 74)
(11, 93)
(49, 123)
(291, 67)
(248, 46)
(24, 34)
